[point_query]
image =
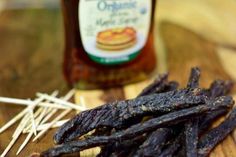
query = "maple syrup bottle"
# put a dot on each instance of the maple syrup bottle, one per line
(108, 42)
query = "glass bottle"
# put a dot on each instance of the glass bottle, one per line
(108, 42)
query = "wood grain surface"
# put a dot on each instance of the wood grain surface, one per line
(31, 46)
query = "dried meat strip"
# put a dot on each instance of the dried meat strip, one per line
(117, 114)
(194, 78)
(154, 143)
(191, 138)
(170, 86)
(122, 148)
(141, 128)
(208, 119)
(157, 85)
(213, 137)
(219, 88)
(173, 147)
(191, 127)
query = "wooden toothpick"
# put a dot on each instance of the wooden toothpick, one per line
(37, 122)
(62, 102)
(43, 126)
(14, 139)
(24, 102)
(31, 111)
(14, 101)
(31, 132)
(56, 125)
(26, 119)
(82, 101)
(40, 115)
(13, 120)
(59, 117)
(67, 97)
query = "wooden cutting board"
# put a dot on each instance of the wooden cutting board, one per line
(29, 47)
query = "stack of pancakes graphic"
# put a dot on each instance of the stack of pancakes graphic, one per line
(116, 39)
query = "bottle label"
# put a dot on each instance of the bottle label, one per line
(114, 31)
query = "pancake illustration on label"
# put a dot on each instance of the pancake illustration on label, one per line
(116, 39)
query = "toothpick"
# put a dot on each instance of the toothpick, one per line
(14, 120)
(56, 125)
(67, 97)
(25, 142)
(53, 112)
(39, 118)
(31, 132)
(62, 102)
(60, 116)
(29, 102)
(26, 119)
(82, 101)
(24, 102)
(43, 126)
(33, 121)
(52, 105)
(37, 122)
(42, 114)
(33, 105)
(13, 140)
(36, 116)
(14, 101)
(45, 119)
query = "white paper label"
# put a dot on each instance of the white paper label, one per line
(114, 31)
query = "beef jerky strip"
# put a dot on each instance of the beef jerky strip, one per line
(219, 88)
(154, 143)
(157, 85)
(162, 144)
(123, 148)
(170, 86)
(191, 137)
(194, 78)
(191, 127)
(117, 114)
(141, 128)
(173, 147)
(119, 148)
(156, 140)
(209, 118)
(213, 137)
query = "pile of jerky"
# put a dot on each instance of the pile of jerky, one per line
(162, 121)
